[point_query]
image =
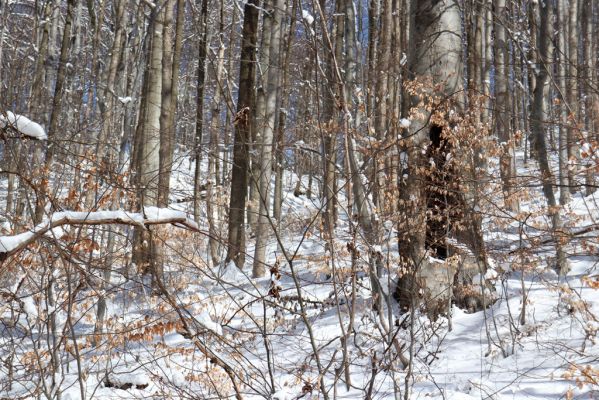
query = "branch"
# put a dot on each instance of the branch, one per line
(9, 245)
(564, 232)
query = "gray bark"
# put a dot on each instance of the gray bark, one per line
(502, 106)
(572, 93)
(538, 131)
(202, 56)
(562, 69)
(277, 7)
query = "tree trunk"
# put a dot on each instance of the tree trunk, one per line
(170, 81)
(148, 254)
(538, 131)
(572, 94)
(436, 50)
(203, 47)
(259, 122)
(213, 159)
(586, 86)
(276, 8)
(502, 106)
(330, 127)
(56, 113)
(562, 69)
(245, 104)
(280, 135)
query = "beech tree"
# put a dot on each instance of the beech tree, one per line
(370, 167)
(435, 54)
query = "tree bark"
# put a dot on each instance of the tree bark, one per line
(275, 10)
(562, 69)
(538, 131)
(281, 125)
(572, 92)
(213, 159)
(147, 252)
(56, 113)
(586, 86)
(245, 104)
(502, 106)
(435, 54)
(170, 89)
(202, 53)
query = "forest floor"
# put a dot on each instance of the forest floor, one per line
(258, 327)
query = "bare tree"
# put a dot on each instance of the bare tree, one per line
(147, 253)
(245, 104)
(538, 131)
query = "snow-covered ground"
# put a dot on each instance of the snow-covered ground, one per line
(282, 336)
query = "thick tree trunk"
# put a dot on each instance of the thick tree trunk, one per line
(436, 54)
(170, 81)
(148, 253)
(276, 8)
(245, 104)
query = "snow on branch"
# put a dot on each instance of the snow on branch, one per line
(23, 125)
(9, 245)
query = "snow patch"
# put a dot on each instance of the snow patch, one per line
(230, 273)
(24, 125)
(307, 17)
(207, 322)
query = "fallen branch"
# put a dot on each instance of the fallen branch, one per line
(9, 245)
(569, 234)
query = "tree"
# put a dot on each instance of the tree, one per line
(435, 60)
(245, 104)
(147, 253)
(538, 130)
(275, 11)
(202, 56)
(56, 111)
(171, 63)
(502, 105)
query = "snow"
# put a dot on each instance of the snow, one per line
(30, 308)
(153, 215)
(96, 216)
(23, 125)
(126, 100)
(307, 17)
(404, 59)
(486, 354)
(134, 378)
(230, 273)
(9, 243)
(404, 123)
(206, 321)
(283, 394)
